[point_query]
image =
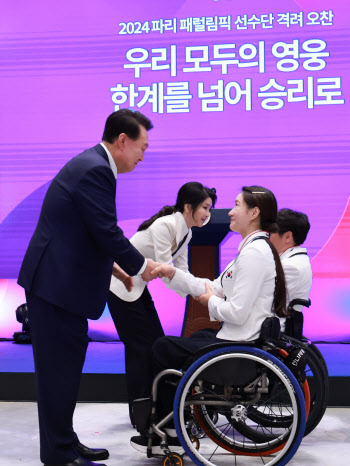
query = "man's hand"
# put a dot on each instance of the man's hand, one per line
(128, 283)
(147, 273)
(164, 270)
(119, 273)
(204, 298)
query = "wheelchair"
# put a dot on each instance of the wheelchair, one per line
(292, 341)
(239, 403)
(236, 403)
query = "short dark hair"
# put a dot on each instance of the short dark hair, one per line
(296, 222)
(264, 199)
(125, 121)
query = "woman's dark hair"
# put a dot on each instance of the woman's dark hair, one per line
(280, 293)
(192, 193)
(125, 121)
(264, 199)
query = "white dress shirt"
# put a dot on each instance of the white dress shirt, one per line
(111, 161)
(298, 273)
(244, 291)
(158, 242)
(115, 173)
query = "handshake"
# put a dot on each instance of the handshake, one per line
(152, 271)
(155, 270)
(168, 271)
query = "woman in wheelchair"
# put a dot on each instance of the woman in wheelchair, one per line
(251, 288)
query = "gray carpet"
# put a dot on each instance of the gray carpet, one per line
(107, 425)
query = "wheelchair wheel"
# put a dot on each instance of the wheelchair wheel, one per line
(319, 356)
(174, 460)
(306, 342)
(214, 383)
(317, 377)
(318, 382)
(316, 390)
(261, 417)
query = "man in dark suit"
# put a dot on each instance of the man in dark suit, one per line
(66, 274)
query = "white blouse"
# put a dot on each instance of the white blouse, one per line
(244, 291)
(298, 273)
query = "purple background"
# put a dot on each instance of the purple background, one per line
(58, 65)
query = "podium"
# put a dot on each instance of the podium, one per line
(204, 262)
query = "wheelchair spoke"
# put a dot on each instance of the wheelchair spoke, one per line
(216, 447)
(240, 420)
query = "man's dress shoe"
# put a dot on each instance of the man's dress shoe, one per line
(92, 454)
(78, 462)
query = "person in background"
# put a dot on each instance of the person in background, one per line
(293, 229)
(251, 288)
(66, 274)
(164, 238)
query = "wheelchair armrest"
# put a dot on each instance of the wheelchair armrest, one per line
(297, 301)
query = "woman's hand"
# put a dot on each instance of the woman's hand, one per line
(204, 298)
(164, 270)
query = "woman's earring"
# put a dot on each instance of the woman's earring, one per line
(207, 220)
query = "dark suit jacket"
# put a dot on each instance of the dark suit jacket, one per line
(69, 258)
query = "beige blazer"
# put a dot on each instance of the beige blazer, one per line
(158, 242)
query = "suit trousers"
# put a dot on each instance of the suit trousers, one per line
(138, 327)
(60, 341)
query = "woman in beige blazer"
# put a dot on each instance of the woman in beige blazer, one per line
(163, 238)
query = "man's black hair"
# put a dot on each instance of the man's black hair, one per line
(125, 121)
(296, 222)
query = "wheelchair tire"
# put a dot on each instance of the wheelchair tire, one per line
(306, 342)
(319, 356)
(317, 378)
(318, 382)
(318, 386)
(222, 438)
